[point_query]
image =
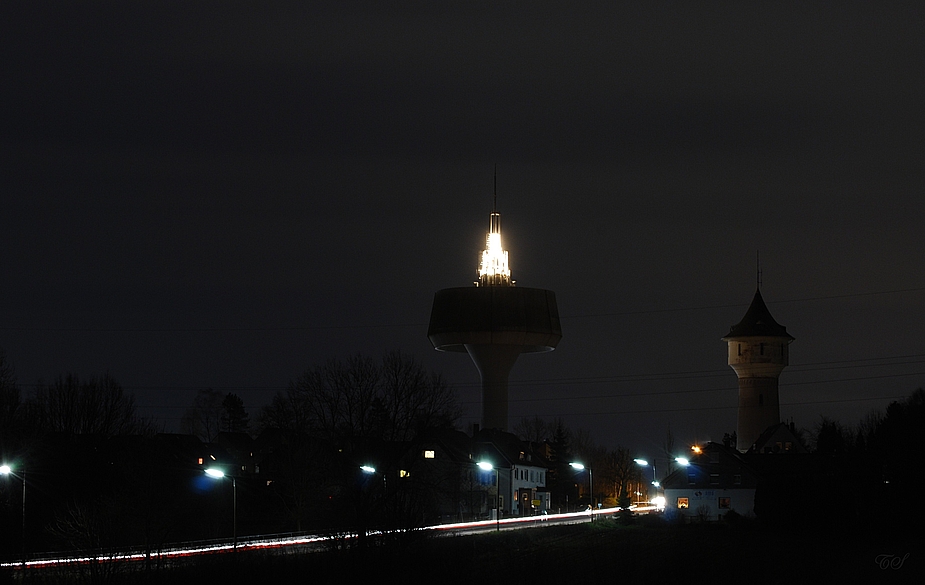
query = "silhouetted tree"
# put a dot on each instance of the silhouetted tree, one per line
(10, 402)
(832, 438)
(899, 446)
(394, 399)
(99, 406)
(618, 469)
(668, 451)
(204, 417)
(360, 409)
(234, 416)
(560, 479)
(534, 430)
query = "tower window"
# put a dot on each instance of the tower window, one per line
(761, 348)
(740, 348)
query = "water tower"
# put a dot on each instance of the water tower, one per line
(494, 322)
(758, 351)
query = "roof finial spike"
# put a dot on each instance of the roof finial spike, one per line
(758, 265)
(494, 205)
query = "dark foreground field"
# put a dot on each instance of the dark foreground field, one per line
(605, 552)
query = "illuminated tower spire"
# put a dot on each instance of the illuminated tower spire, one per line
(494, 269)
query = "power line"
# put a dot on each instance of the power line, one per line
(661, 410)
(734, 305)
(424, 325)
(667, 376)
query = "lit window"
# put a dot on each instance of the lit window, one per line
(428, 454)
(200, 461)
(725, 503)
(683, 503)
(403, 473)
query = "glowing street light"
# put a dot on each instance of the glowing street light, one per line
(216, 473)
(643, 463)
(7, 470)
(488, 466)
(682, 461)
(580, 467)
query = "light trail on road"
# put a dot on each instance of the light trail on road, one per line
(277, 542)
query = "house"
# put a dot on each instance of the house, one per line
(515, 476)
(716, 481)
(241, 448)
(522, 472)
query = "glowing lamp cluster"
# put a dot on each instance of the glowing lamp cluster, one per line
(494, 268)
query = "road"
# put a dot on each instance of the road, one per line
(308, 542)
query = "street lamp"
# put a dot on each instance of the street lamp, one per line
(487, 466)
(581, 467)
(643, 463)
(216, 473)
(7, 470)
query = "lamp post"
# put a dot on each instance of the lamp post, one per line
(581, 467)
(216, 473)
(487, 466)
(643, 463)
(7, 470)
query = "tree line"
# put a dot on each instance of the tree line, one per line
(99, 475)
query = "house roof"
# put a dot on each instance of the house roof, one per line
(508, 448)
(758, 322)
(762, 467)
(713, 456)
(779, 433)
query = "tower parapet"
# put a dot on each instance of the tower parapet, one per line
(758, 351)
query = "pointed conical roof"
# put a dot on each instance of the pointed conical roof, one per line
(758, 322)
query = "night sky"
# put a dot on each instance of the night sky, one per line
(222, 194)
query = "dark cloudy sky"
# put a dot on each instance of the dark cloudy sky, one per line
(222, 194)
